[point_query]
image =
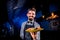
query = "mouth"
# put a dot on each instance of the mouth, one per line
(30, 16)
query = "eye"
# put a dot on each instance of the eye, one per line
(33, 13)
(29, 13)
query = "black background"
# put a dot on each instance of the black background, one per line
(45, 35)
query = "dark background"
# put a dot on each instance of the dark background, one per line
(42, 5)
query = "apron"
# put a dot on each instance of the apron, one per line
(27, 35)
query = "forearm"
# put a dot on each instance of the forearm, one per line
(22, 34)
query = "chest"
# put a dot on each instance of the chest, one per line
(29, 25)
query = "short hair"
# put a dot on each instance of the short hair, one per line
(33, 9)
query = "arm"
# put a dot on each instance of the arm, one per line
(38, 33)
(22, 30)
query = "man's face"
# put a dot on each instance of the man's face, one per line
(31, 14)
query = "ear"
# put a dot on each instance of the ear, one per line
(35, 16)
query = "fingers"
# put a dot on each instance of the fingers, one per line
(33, 35)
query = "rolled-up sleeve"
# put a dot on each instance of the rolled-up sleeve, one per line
(22, 30)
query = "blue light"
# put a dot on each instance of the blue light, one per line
(52, 8)
(7, 25)
(45, 25)
(39, 14)
(22, 17)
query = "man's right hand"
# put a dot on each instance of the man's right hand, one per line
(33, 35)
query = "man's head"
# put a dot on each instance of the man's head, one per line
(31, 13)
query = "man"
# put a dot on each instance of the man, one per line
(30, 23)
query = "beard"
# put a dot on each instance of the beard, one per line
(30, 19)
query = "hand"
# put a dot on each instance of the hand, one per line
(33, 35)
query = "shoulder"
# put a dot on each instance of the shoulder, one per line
(37, 24)
(24, 23)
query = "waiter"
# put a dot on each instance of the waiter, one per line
(30, 23)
